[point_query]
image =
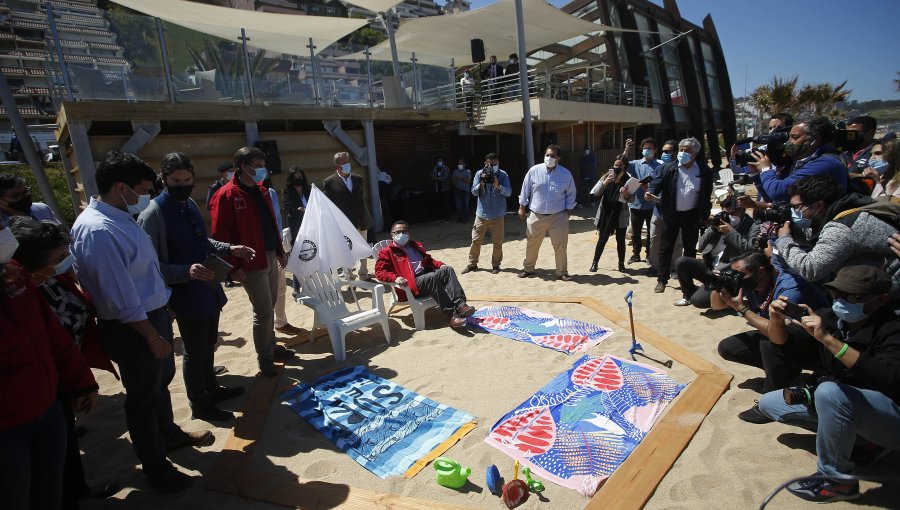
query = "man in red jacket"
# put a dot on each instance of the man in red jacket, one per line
(242, 213)
(408, 265)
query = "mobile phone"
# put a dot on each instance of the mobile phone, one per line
(794, 311)
(646, 180)
(612, 172)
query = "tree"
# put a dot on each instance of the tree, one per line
(820, 99)
(811, 100)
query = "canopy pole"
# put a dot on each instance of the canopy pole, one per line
(170, 83)
(415, 83)
(369, 77)
(249, 71)
(523, 85)
(312, 65)
(395, 60)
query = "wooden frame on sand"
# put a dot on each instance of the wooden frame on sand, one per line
(629, 487)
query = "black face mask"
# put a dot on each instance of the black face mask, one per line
(22, 205)
(180, 193)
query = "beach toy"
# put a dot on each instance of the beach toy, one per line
(533, 485)
(494, 480)
(450, 474)
(515, 492)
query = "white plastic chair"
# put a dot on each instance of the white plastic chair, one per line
(322, 293)
(417, 305)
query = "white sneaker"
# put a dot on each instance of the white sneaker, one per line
(682, 302)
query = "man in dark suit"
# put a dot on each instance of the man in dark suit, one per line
(346, 190)
(489, 76)
(682, 189)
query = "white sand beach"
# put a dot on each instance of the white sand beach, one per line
(728, 464)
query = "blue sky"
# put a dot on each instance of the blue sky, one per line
(819, 40)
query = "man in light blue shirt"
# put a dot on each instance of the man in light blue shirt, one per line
(641, 210)
(549, 192)
(118, 268)
(491, 186)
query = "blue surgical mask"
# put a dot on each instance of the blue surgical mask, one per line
(667, 157)
(879, 165)
(647, 153)
(229, 176)
(345, 168)
(142, 203)
(848, 312)
(261, 174)
(684, 158)
(799, 221)
(64, 266)
(401, 239)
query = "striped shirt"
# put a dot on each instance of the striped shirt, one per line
(548, 192)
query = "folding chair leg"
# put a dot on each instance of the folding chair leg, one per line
(418, 317)
(387, 330)
(337, 344)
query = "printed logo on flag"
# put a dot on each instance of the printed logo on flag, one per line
(307, 251)
(349, 243)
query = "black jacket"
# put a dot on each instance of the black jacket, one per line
(351, 203)
(665, 182)
(486, 72)
(741, 238)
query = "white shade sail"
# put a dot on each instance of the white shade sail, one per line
(374, 5)
(283, 33)
(437, 39)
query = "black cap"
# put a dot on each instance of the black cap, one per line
(866, 280)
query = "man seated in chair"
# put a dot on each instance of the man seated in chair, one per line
(406, 264)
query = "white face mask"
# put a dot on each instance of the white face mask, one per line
(401, 239)
(461, 167)
(440, 164)
(142, 203)
(587, 151)
(345, 168)
(735, 220)
(550, 161)
(8, 245)
(495, 167)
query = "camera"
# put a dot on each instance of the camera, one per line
(772, 146)
(799, 395)
(487, 175)
(745, 157)
(720, 219)
(846, 140)
(780, 212)
(728, 279)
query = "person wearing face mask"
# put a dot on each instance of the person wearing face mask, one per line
(865, 127)
(548, 191)
(116, 263)
(667, 155)
(178, 233)
(511, 76)
(295, 199)
(226, 174)
(640, 210)
(858, 393)
(681, 189)
(763, 281)
(882, 170)
(43, 252)
(842, 229)
(461, 177)
(36, 354)
(809, 146)
(467, 89)
(440, 180)
(491, 186)
(407, 264)
(15, 200)
(348, 193)
(721, 242)
(612, 213)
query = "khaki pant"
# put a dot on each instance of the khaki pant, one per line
(280, 311)
(537, 226)
(497, 229)
(262, 288)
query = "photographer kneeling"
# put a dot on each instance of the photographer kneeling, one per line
(730, 233)
(859, 372)
(760, 282)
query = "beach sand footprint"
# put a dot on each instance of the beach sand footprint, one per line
(320, 469)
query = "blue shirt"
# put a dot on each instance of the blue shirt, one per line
(276, 207)
(548, 191)
(776, 188)
(117, 264)
(791, 286)
(640, 169)
(39, 211)
(491, 202)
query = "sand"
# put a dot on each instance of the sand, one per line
(729, 463)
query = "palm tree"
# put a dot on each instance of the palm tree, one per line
(779, 96)
(819, 99)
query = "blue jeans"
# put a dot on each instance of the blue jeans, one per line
(31, 462)
(462, 200)
(841, 413)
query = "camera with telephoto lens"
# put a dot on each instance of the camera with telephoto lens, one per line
(799, 395)
(780, 212)
(772, 145)
(728, 279)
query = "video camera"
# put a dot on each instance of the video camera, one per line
(720, 219)
(728, 279)
(487, 175)
(772, 145)
(846, 140)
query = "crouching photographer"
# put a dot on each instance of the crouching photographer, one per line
(858, 341)
(753, 277)
(730, 233)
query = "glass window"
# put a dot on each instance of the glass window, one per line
(673, 66)
(619, 42)
(715, 95)
(650, 61)
(696, 59)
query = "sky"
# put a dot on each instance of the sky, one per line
(818, 40)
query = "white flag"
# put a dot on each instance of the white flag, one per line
(326, 239)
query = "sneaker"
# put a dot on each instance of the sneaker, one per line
(819, 489)
(682, 302)
(470, 268)
(170, 481)
(634, 258)
(289, 329)
(754, 415)
(465, 310)
(180, 439)
(282, 353)
(495, 270)
(660, 287)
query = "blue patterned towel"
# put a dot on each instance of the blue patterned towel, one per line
(525, 325)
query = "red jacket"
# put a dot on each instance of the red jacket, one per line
(35, 353)
(393, 263)
(235, 220)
